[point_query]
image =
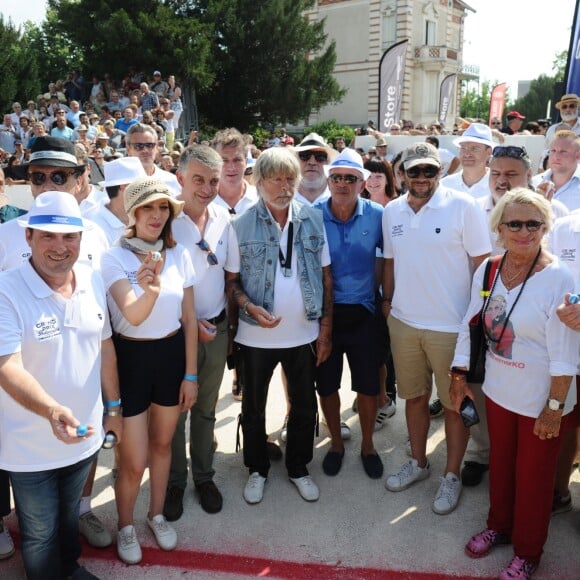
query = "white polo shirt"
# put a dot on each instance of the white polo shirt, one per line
(165, 318)
(14, 248)
(478, 189)
(210, 298)
(110, 224)
(431, 250)
(564, 243)
(249, 198)
(294, 328)
(60, 343)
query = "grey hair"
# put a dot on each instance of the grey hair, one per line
(276, 161)
(202, 154)
(140, 128)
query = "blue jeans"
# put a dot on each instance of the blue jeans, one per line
(47, 503)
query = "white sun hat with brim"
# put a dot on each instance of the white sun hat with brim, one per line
(54, 211)
(349, 159)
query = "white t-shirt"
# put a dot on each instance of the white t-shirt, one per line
(431, 250)
(478, 189)
(294, 328)
(535, 345)
(60, 343)
(249, 198)
(14, 248)
(564, 243)
(93, 202)
(210, 298)
(165, 318)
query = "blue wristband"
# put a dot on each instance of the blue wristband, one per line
(192, 378)
(116, 403)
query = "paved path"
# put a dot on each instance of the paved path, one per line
(357, 530)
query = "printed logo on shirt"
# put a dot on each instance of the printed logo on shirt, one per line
(25, 255)
(47, 328)
(568, 254)
(397, 231)
(131, 276)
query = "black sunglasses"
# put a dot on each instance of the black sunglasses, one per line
(510, 151)
(211, 257)
(429, 172)
(337, 178)
(320, 156)
(141, 146)
(517, 225)
(57, 177)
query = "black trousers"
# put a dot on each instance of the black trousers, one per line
(4, 493)
(299, 364)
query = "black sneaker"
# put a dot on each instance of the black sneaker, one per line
(435, 409)
(210, 497)
(274, 451)
(472, 473)
(561, 503)
(173, 506)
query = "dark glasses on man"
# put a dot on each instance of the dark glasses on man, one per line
(517, 225)
(211, 257)
(430, 171)
(141, 146)
(350, 179)
(569, 106)
(320, 156)
(496, 123)
(57, 177)
(510, 151)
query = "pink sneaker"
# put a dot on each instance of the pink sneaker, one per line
(481, 544)
(518, 569)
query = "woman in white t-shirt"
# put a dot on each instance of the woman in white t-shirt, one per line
(531, 359)
(150, 294)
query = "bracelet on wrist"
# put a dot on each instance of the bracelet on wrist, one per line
(245, 307)
(114, 412)
(389, 300)
(191, 378)
(110, 404)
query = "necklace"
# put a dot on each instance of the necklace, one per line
(509, 278)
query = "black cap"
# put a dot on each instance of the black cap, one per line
(53, 152)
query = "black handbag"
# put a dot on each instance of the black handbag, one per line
(477, 338)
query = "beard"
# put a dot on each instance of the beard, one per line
(427, 194)
(569, 118)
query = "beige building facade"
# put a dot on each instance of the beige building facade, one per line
(365, 29)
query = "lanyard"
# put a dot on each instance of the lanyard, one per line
(286, 263)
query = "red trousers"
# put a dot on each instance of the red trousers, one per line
(522, 472)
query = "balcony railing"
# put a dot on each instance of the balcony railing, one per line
(435, 53)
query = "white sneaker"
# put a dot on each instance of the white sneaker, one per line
(306, 487)
(284, 432)
(385, 412)
(448, 495)
(164, 534)
(344, 431)
(6, 544)
(128, 547)
(409, 474)
(254, 490)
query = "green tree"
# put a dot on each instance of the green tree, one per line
(534, 103)
(330, 130)
(272, 66)
(113, 35)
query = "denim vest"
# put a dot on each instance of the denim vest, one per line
(259, 243)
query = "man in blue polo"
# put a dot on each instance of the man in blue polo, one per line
(353, 229)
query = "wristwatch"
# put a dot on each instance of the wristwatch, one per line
(554, 404)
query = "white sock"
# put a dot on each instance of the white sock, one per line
(85, 505)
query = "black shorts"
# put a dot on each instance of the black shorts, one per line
(150, 371)
(354, 334)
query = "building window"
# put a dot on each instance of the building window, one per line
(389, 28)
(430, 33)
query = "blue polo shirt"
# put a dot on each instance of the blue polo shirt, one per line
(353, 250)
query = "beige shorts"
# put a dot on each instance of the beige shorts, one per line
(418, 356)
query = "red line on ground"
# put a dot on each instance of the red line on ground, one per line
(263, 567)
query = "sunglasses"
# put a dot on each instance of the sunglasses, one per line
(211, 257)
(510, 151)
(573, 106)
(429, 172)
(141, 146)
(320, 156)
(57, 177)
(350, 179)
(496, 123)
(517, 225)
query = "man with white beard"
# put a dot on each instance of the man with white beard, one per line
(568, 107)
